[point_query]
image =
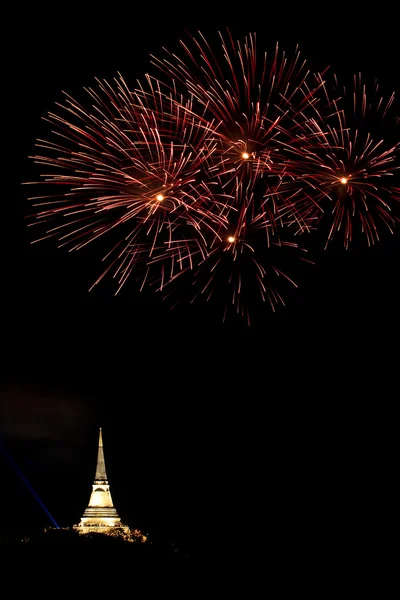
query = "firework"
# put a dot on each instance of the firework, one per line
(345, 175)
(197, 176)
(255, 106)
(253, 100)
(126, 168)
(246, 263)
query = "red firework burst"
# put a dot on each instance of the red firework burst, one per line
(347, 174)
(246, 263)
(134, 167)
(253, 100)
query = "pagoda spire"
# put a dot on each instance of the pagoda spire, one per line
(101, 474)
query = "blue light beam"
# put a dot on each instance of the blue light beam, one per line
(21, 475)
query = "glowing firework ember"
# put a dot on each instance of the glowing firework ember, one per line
(197, 177)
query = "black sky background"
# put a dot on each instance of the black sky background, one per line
(211, 431)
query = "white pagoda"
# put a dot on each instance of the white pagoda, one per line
(100, 515)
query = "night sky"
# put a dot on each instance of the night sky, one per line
(213, 432)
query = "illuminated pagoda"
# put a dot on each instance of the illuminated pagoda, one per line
(100, 515)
